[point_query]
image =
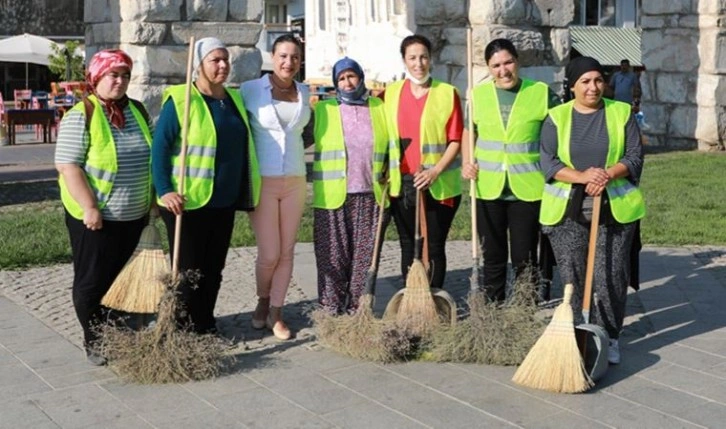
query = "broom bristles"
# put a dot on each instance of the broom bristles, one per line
(139, 286)
(554, 363)
(417, 311)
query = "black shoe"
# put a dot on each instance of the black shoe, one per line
(95, 357)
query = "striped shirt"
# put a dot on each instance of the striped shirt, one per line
(127, 200)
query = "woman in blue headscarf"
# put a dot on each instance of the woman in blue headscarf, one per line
(351, 155)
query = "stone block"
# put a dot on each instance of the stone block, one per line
(150, 11)
(675, 87)
(453, 54)
(137, 33)
(456, 36)
(666, 7)
(246, 34)
(158, 61)
(713, 7)
(552, 13)
(437, 12)
(712, 49)
(671, 50)
(497, 11)
(682, 122)
(100, 11)
(656, 115)
(653, 22)
(689, 21)
(551, 75)
(561, 44)
(207, 10)
(245, 63)
(530, 44)
(245, 10)
(711, 125)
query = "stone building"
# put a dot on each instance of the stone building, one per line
(683, 44)
(156, 35)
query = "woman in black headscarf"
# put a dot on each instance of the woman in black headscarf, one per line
(591, 146)
(351, 148)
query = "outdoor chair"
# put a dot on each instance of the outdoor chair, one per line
(22, 98)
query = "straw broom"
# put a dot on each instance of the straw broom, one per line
(554, 363)
(417, 312)
(139, 286)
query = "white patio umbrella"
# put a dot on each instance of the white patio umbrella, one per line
(26, 48)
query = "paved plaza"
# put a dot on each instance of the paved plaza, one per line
(673, 373)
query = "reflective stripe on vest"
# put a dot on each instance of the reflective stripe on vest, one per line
(101, 164)
(202, 148)
(510, 153)
(433, 138)
(626, 200)
(330, 185)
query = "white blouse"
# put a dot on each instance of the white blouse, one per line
(280, 150)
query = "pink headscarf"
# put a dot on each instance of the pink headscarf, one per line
(101, 63)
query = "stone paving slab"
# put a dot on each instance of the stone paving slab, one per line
(673, 373)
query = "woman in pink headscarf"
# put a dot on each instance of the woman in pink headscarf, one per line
(103, 157)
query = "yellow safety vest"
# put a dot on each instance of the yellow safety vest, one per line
(510, 152)
(626, 200)
(330, 162)
(101, 163)
(202, 148)
(434, 118)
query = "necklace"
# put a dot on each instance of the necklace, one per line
(280, 88)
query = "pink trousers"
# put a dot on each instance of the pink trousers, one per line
(275, 221)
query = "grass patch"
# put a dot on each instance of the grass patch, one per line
(684, 194)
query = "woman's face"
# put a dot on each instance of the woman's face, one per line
(588, 89)
(503, 66)
(114, 83)
(215, 66)
(348, 80)
(286, 60)
(417, 60)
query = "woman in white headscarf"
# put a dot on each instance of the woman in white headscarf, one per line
(222, 176)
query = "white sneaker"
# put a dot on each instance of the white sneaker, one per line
(614, 352)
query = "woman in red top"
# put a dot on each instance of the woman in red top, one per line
(413, 105)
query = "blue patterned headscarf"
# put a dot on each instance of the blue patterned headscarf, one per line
(357, 96)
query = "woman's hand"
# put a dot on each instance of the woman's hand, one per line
(594, 190)
(173, 202)
(424, 178)
(594, 175)
(469, 170)
(92, 219)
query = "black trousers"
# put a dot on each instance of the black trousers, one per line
(504, 227)
(438, 222)
(98, 257)
(205, 236)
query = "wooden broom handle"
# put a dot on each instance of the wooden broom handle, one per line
(590, 270)
(183, 159)
(470, 142)
(379, 228)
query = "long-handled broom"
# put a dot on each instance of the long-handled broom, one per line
(139, 286)
(554, 363)
(417, 310)
(476, 295)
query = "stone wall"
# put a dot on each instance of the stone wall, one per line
(538, 29)
(41, 17)
(684, 50)
(156, 35)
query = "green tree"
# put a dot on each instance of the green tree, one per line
(62, 56)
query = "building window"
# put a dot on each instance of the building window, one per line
(322, 15)
(276, 14)
(595, 12)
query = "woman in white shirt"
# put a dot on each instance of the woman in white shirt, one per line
(279, 111)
